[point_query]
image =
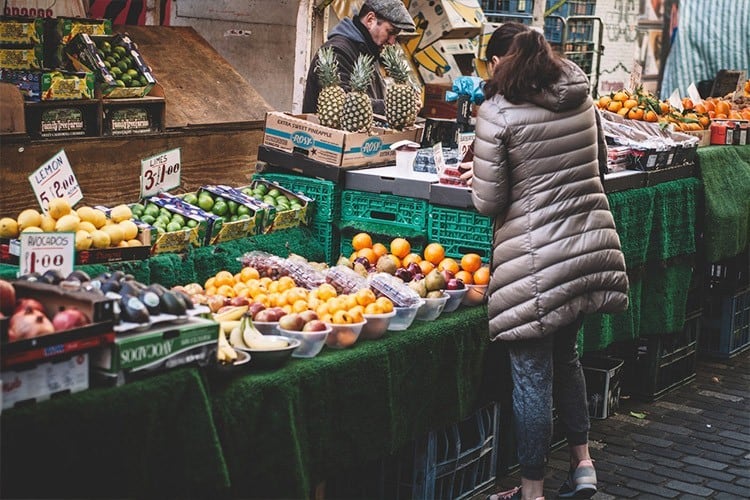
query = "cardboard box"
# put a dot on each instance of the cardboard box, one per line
(451, 196)
(55, 119)
(447, 19)
(26, 57)
(445, 60)
(66, 28)
(303, 134)
(43, 85)
(602, 385)
(45, 380)
(435, 105)
(21, 31)
(389, 181)
(138, 115)
(284, 219)
(158, 349)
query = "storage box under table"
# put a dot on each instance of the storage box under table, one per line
(602, 385)
(45, 380)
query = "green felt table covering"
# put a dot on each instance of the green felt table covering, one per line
(155, 438)
(726, 178)
(283, 431)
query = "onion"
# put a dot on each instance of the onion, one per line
(7, 297)
(28, 323)
(70, 318)
(34, 304)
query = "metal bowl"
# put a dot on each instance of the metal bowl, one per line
(271, 358)
(240, 364)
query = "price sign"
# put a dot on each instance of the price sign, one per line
(635, 77)
(437, 152)
(41, 252)
(55, 179)
(160, 173)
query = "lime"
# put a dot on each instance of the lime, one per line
(148, 219)
(163, 219)
(205, 202)
(134, 83)
(116, 72)
(232, 206)
(159, 225)
(133, 72)
(143, 80)
(270, 200)
(273, 192)
(247, 191)
(119, 83)
(101, 53)
(123, 65)
(174, 226)
(220, 207)
(179, 219)
(107, 65)
(243, 217)
(190, 198)
(111, 60)
(106, 47)
(137, 207)
(151, 209)
(164, 211)
(120, 50)
(126, 78)
(191, 223)
(261, 188)
(243, 210)
(233, 218)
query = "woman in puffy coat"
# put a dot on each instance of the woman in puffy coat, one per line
(556, 254)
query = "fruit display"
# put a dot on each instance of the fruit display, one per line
(356, 114)
(401, 102)
(94, 228)
(332, 96)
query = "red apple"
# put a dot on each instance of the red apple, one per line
(447, 274)
(291, 321)
(239, 301)
(265, 316)
(314, 326)
(454, 284)
(414, 268)
(308, 315)
(254, 308)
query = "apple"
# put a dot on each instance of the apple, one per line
(314, 325)
(265, 316)
(278, 312)
(364, 261)
(291, 321)
(404, 275)
(308, 315)
(254, 308)
(454, 284)
(447, 274)
(239, 301)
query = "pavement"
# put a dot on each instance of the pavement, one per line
(693, 442)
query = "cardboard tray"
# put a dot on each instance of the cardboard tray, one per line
(387, 180)
(623, 180)
(98, 308)
(451, 196)
(291, 162)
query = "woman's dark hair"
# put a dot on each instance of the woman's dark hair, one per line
(502, 38)
(529, 67)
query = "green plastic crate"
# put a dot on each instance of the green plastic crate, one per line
(329, 237)
(460, 231)
(327, 194)
(399, 212)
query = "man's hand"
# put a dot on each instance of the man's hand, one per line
(468, 172)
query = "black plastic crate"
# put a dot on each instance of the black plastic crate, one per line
(454, 462)
(726, 325)
(603, 376)
(729, 275)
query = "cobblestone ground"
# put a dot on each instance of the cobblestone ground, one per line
(694, 442)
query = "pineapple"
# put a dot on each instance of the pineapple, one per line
(400, 99)
(357, 113)
(331, 97)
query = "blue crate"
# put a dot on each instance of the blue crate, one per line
(508, 7)
(726, 325)
(573, 7)
(553, 29)
(580, 30)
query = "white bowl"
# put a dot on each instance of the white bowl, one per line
(345, 335)
(404, 316)
(454, 299)
(376, 325)
(432, 308)
(311, 343)
(475, 295)
(267, 327)
(271, 358)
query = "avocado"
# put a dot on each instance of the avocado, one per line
(81, 276)
(111, 285)
(170, 304)
(133, 310)
(157, 288)
(52, 276)
(151, 301)
(185, 298)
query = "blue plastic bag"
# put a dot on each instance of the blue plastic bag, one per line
(471, 86)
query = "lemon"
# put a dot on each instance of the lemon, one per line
(100, 239)
(129, 229)
(32, 229)
(115, 233)
(100, 218)
(134, 243)
(123, 244)
(8, 228)
(83, 240)
(87, 226)
(28, 218)
(67, 224)
(48, 224)
(58, 207)
(121, 213)
(87, 214)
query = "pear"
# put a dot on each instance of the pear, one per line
(419, 286)
(344, 261)
(386, 265)
(434, 280)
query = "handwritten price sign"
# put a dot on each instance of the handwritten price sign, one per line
(41, 252)
(160, 173)
(55, 179)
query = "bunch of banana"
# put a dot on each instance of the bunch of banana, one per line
(225, 353)
(246, 336)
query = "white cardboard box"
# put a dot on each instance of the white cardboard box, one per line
(44, 380)
(436, 19)
(445, 60)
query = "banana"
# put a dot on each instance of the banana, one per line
(228, 326)
(224, 352)
(253, 339)
(232, 314)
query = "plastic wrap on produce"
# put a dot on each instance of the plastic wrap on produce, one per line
(267, 265)
(303, 273)
(393, 288)
(345, 280)
(640, 134)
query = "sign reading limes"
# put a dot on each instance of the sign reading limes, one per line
(55, 179)
(41, 252)
(160, 172)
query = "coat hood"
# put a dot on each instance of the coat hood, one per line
(568, 93)
(347, 29)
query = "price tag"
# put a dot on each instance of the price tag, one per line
(41, 252)
(160, 173)
(695, 96)
(437, 152)
(635, 77)
(55, 179)
(675, 101)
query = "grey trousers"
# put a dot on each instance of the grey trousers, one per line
(540, 367)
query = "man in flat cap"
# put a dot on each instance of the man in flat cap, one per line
(377, 24)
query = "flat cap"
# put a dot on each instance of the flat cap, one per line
(393, 11)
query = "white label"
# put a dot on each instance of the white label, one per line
(41, 252)
(635, 77)
(437, 152)
(160, 173)
(55, 179)
(674, 100)
(694, 94)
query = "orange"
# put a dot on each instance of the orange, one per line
(365, 296)
(353, 256)
(449, 264)
(621, 97)
(604, 101)
(623, 111)
(385, 304)
(226, 291)
(687, 103)
(379, 249)
(249, 273)
(426, 266)
(650, 116)
(361, 240)
(224, 278)
(434, 252)
(210, 283)
(722, 108)
(664, 107)
(400, 247)
(700, 108)
(614, 106)
(635, 114)
(710, 106)
(369, 254)
(412, 257)
(471, 262)
(466, 277)
(630, 103)
(395, 260)
(482, 276)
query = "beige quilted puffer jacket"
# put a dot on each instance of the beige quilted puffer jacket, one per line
(556, 252)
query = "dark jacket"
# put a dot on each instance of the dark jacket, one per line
(349, 39)
(556, 253)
